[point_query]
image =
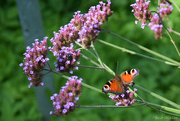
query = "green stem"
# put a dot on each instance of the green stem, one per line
(158, 96)
(98, 58)
(92, 67)
(165, 108)
(109, 106)
(91, 87)
(165, 112)
(64, 76)
(90, 60)
(84, 84)
(175, 5)
(102, 64)
(173, 42)
(135, 53)
(146, 49)
(175, 32)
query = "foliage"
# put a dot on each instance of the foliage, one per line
(18, 102)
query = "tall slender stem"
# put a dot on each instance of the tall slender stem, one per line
(158, 96)
(102, 64)
(92, 67)
(135, 53)
(175, 5)
(109, 106)
(163, 109)
(146, 49)
(90, 60)
(175, 32)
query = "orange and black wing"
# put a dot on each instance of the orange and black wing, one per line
(128, 76)
(114, 86)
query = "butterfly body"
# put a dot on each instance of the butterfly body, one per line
(118, 84)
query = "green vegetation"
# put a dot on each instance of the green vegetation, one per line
(18, 102)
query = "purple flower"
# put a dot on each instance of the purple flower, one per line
(64, 111)
(135, 89)
(58, 106)
(165, 9)
(82, 28)
(125, 99)
(127, 91)
(118, 103)
(66, 59)
(34, 62)
(71, 104)
(142, 12)
(52, 97)
(156, 26)
(111, 96)
(70, 94)
(51, 112)
(65, 101)
(122, 95)
(76, 98)
(67, 106)
(21, 64)
(29, 78)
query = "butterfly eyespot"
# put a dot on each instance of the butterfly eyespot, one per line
(106, 86)
(133, 70)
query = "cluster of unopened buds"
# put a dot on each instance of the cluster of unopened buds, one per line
(144, 15)
(125, 99)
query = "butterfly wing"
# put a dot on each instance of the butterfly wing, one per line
(114, 86)
(128, 76)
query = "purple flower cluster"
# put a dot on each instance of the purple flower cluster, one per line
(165, 9)
(67, 35)
(66, 59)
(34, 62)
(82, 28)
(125, 99)
(89, 24)
(156, 26)
(65, 101)
(142, 13)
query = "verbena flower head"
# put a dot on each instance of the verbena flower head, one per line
(125, 99)
(66, 59)
(65, 101)
(82, 28)
(165, 9)
(156, 26)
(141, 12)
(34, 62)
(90, 24)
(67, 35)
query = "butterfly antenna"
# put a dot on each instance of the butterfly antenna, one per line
(117, 67)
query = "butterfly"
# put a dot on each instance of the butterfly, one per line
(118, 84)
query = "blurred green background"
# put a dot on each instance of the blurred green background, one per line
(18, 102)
